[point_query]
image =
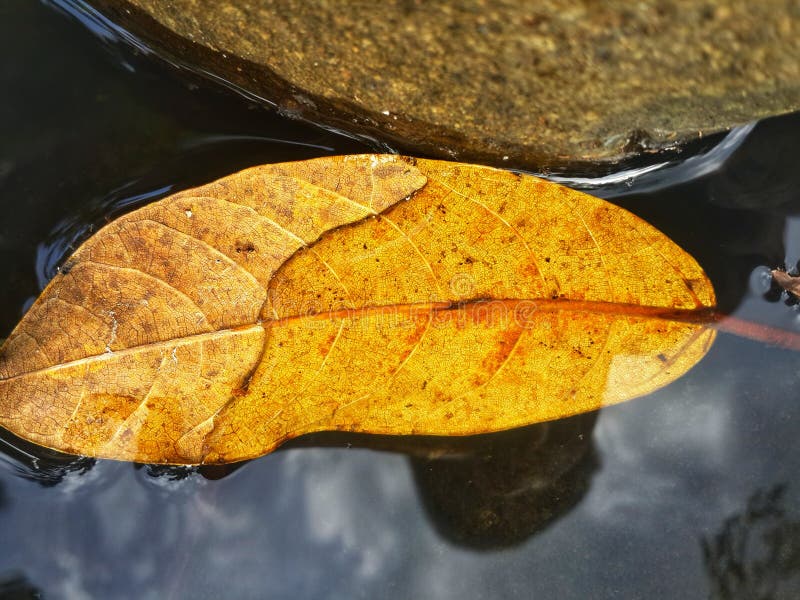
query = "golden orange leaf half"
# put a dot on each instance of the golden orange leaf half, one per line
(361, 293)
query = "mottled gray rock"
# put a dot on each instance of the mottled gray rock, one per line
(550, 83)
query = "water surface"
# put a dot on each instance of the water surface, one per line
(690, 492)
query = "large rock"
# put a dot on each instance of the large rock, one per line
(550, 83)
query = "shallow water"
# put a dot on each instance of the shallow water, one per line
(686, 493)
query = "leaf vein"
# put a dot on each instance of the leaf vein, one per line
(419, 252)
(215, 252)
(504, 222)
(134, 269)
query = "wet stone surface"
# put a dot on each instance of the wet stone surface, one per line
(556, 84)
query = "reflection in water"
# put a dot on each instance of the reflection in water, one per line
(756, 554)
(167, 472)
(45, 467)
(762, 174)
(492, 490)
(751, 168)
(481, 491)
(15, 586)
(50, 467)
(705, 157)
(511, 484)
(179, 473)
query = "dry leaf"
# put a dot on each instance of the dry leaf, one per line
(360, 293)
(790, 283)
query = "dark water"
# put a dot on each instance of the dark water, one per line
(691, 492)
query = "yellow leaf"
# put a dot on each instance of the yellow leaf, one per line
(361, 293)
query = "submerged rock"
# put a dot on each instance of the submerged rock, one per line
(556, 83)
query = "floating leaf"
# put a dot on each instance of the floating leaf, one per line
(361, 293)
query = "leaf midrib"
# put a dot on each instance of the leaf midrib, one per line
(700, 315)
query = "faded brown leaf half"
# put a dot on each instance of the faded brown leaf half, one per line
(361, 293)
